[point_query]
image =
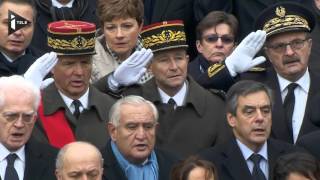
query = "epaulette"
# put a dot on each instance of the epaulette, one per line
(257, 69)
(219, 93)
(214, 69)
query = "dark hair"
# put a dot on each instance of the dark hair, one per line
(182, 170)
(243, 88)
(215, 18)
(23, 2)
(110, 9)
(297, 162)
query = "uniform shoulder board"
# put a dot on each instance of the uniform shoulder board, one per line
(257, 69)
(218, 92)
(214, 69)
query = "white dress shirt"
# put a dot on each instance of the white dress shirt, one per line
(19, 163)
(179, 97)
(83, 99)
(301, 96)
(246, 152)
(57, 4)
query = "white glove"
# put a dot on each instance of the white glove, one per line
(241, 59)
(131, 70)
(40, 68)
(45, 83)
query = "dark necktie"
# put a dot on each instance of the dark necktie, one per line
(257, 173)
(77, 105)
(11, 173)
(288, 104)
(171, 102)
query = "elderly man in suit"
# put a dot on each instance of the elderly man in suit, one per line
(21, 157)
(250, 154)
(130, 154)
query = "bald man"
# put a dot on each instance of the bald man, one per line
(79, 160)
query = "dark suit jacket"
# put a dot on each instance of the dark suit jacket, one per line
(231, 164)
(20, 66)
(113, 171)
(40, 161)
(281, 128)
(310, 142)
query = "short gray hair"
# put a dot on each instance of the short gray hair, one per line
(64, 149)
(114, 114)
(244, 88)
(16, 82)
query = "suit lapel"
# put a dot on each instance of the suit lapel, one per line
(235, 164)
(111, 167)
(278, 118)
(307, 125)
(34, 166)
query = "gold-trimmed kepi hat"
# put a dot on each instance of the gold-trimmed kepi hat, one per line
(72, 37)
(164, 35)
(284, 17)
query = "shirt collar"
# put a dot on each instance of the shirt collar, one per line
(247, 152)
(178, 97)
(10, 59)
(303, 82)
(83, 99)
(4, 152)
(57, 4)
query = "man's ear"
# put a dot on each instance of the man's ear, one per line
(112, 130)
(231, 120)
(198, 45)
(58, 175)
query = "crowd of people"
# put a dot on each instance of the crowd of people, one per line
(159, 90)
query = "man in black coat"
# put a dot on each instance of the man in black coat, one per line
(15, 54)
(130, 153)
(18, 109)
(249, 107)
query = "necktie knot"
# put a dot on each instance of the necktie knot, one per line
(171, 102)
(77, 105)
(255, 158)
(291, 87)
(11, 158)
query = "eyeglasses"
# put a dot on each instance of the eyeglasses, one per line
(213, 38)
(282, 47)
(12, 117)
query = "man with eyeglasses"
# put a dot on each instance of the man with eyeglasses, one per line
(21, 157)
(216, 40)
(130, 154)
(288, 46)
